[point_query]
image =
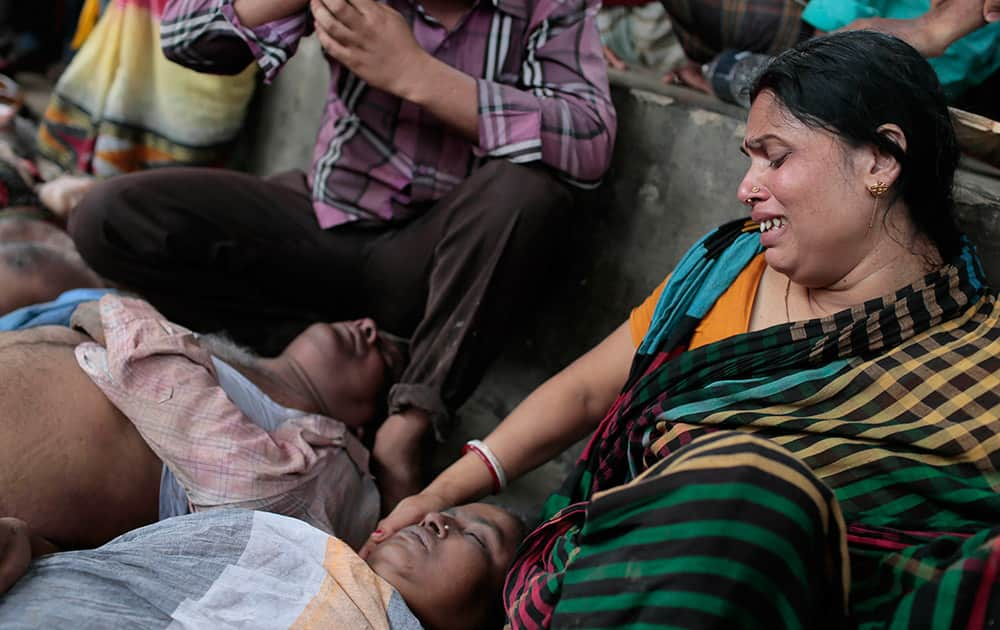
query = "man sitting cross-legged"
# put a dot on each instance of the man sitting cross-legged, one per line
(104, 433)
(236, 568)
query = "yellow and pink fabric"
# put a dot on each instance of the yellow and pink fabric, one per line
(122, 106)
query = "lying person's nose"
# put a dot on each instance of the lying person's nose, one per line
(369, 331)
(437, 523)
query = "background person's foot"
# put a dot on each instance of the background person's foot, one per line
(688, 74)
(63, 193)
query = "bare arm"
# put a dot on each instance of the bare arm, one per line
(256, 12)
(932, 33)
(561, 411)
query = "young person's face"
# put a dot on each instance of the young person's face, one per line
(451, 566)
(347, 364)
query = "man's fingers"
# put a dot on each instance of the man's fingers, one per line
(329, 13)
(364, 7)
(334, 48)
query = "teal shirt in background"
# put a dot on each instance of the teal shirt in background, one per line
(967, 62)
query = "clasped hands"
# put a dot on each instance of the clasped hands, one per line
(373, 41)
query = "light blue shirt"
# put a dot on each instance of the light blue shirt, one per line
(967, 62)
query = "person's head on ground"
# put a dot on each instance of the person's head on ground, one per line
(349, 366)
(33, 273)
(342, 370)
(852, 149)
(450, 567)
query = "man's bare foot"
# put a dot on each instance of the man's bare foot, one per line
(613, 60)
(63, 193)
(689, 75)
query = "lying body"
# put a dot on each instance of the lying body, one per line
(209, 570)
(80, 468)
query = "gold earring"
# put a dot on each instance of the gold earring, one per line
(876, 191)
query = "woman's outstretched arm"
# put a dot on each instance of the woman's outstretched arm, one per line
(562, 410)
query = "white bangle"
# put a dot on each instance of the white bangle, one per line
(499, 477)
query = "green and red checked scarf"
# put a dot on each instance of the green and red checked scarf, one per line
(894, 404)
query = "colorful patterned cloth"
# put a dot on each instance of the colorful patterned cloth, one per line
(222, 569)
(542, 87)
(121, 106)
(893, 405)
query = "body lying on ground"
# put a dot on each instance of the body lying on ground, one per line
(238, 568)
(141, 419)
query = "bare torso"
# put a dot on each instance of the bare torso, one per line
(71, 465)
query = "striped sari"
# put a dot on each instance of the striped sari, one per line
(825, 473)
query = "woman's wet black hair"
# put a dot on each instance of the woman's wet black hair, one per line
(853, 82)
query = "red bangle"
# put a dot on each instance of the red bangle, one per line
(486, 460)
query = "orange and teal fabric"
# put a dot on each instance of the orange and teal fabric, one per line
(729, 316)
(121, 106)
(878, 426)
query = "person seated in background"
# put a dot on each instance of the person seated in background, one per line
(801, 426)
(960, 38)
(452, 134)
(231, 568)
(141, 420)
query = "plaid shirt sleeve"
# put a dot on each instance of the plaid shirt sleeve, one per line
(207, 35)
(561, 111)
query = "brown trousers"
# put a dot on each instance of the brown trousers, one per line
(225, 251)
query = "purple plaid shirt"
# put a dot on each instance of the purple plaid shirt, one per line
(542, 87)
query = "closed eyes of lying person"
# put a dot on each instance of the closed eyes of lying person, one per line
(261, 570)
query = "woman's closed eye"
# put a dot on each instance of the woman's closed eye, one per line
(776, 163)
(477, 538)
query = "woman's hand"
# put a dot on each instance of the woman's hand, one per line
(15, 551)
(410, 511)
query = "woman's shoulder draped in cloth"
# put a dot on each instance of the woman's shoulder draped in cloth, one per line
(900, 392)
(892, 405)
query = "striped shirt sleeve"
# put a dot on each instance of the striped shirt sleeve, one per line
(561, 112)
(207, 36)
